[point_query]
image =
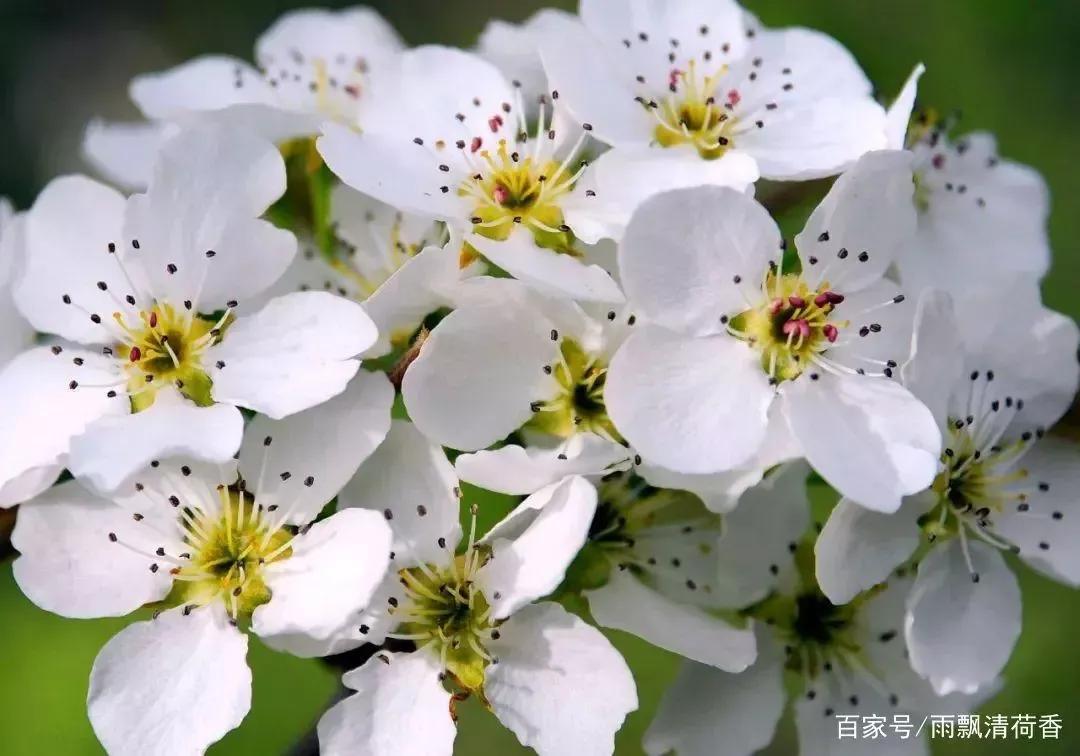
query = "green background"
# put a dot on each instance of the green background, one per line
(1007, 65)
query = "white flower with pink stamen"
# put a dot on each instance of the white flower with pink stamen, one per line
(156, 356)
(697, 93)
(447, 136)
(738, 335)
(217, 551)
(312, 65)
(995, 379)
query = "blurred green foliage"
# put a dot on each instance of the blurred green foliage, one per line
(1007, 65)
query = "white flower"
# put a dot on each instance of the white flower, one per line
(311, 65)
(650, 567)
(735, 342)
(847, 659)
(694, 93)
(995, 378)
(214, 549)
(445, 135)
(515, 359)
(475, 620)
(980, 218)
(393, 262)
(147, 291)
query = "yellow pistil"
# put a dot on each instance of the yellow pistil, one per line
(447, 611)
(579, 404)
(792, 327)
(230, 545)
(512, 189)
(166, 346)
(695, 113)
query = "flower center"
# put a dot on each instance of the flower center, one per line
(447, 611)
(815, 632)
(512, 189)
(228, 547)
(694, 113)
(166, 345)
(792, 327)
(579, 402)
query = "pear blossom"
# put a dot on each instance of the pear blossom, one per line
(980, 217)
(474, 620)
(393, 262)
(736, 339)
(144, 292)
(995, 380)
(463, 392)
(447, 136)
(311, 65)
(217, 551)
(649, 568)
(698, 93)
(847, 659)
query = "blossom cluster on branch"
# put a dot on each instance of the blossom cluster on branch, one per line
(244, 378)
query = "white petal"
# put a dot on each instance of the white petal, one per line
(683, 251)
(69, 565)
(960, 632)
(755, 552)
(934, 370)
(124, 153)
(694, 405)
(424, 284)
(818, 720)
(205, 83)
(898, 115)
(114, 448)
(1047, 530)
(552, 669)
(208, 189)
(392, 169)
(625, 603)
(410, 482)
(521, 470)
(175, 684)
(534, 544)
(549, 272)
(707, 712)
(720, 492)
(331, 574)
(463, 392)
(625, 177)
(42, 414)
(868, 437)
(400, 708)
(324, 445)
(858, 548)
(592, 86)
(810, 141)
(515, 49)
(68, 232)
(292, 354)
(29, 484)
(868, 209)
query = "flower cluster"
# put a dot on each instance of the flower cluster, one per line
(245, 382)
